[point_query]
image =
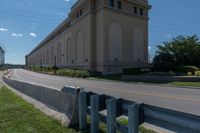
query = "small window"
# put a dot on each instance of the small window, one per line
(135, 9)
(141, 12)
(111, 3)
(81, 12)
(119, 4)
(77, 15)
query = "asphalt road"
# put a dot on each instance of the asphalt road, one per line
(175, 98)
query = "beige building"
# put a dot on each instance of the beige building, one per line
(99, 35)
(2, 56)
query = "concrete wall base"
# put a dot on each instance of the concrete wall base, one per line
(62, 105)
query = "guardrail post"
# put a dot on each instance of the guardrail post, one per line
(133, 118)
(82, 111)
(111, 115)
(94, 112)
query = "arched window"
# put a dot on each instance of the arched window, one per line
(71, 51)
(138, 45)
(59, 54)
(80, 46)
(47, 56)
(115, 42)
(67, 50)
(43, 57)
(52, 55)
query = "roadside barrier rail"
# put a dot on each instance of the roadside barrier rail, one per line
(93, 104)
(78, 103)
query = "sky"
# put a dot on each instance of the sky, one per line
(25, 23)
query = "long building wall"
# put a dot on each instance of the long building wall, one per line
(98, 38)
(70, 48)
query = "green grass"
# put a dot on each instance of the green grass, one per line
(192, 84)
(18, 116)
(118, 78)
(124, 121)
(144, 130)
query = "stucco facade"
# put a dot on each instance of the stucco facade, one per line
(99, 35)
(2, 56)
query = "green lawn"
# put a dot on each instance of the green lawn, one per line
(18, 116)
(192, 84)
(118, 78)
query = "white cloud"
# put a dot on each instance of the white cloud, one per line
(149, 47)
(3, 29)
(66, 0)
(32, 34)
(17, 35)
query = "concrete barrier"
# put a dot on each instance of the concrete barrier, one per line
(64, 100)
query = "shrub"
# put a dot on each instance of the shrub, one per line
(164, 62)
(161, 74)
(49, 68)
(74, 73)
(197, 73)
(122, 120)
(189, 74)
(186, 69)
(131, 71)
(172, 73)
(37, 69)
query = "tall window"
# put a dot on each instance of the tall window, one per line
(77, 15)
(141, 12)
(59, 54)
(135, 9)
(119, 4)
(47, 56)
(111, 3)
(52, 55)
(81, 12)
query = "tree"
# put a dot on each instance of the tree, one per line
(179, 51)
(164, 62)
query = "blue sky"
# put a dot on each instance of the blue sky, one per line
(24, 23)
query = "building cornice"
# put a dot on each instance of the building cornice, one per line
(125, 13)
(139, 2)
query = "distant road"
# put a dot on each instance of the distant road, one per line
(175, 98)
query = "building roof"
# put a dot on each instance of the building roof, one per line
(2, 49)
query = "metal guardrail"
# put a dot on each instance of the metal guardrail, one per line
(92, 104)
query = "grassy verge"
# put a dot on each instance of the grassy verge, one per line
(18, 116)
(118, 78)
(192, 84)
(124, 121)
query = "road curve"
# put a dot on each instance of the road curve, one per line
(175, 98)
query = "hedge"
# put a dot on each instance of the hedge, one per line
(186, 69)
(132, 71)
(74, 73)
(197, 73)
